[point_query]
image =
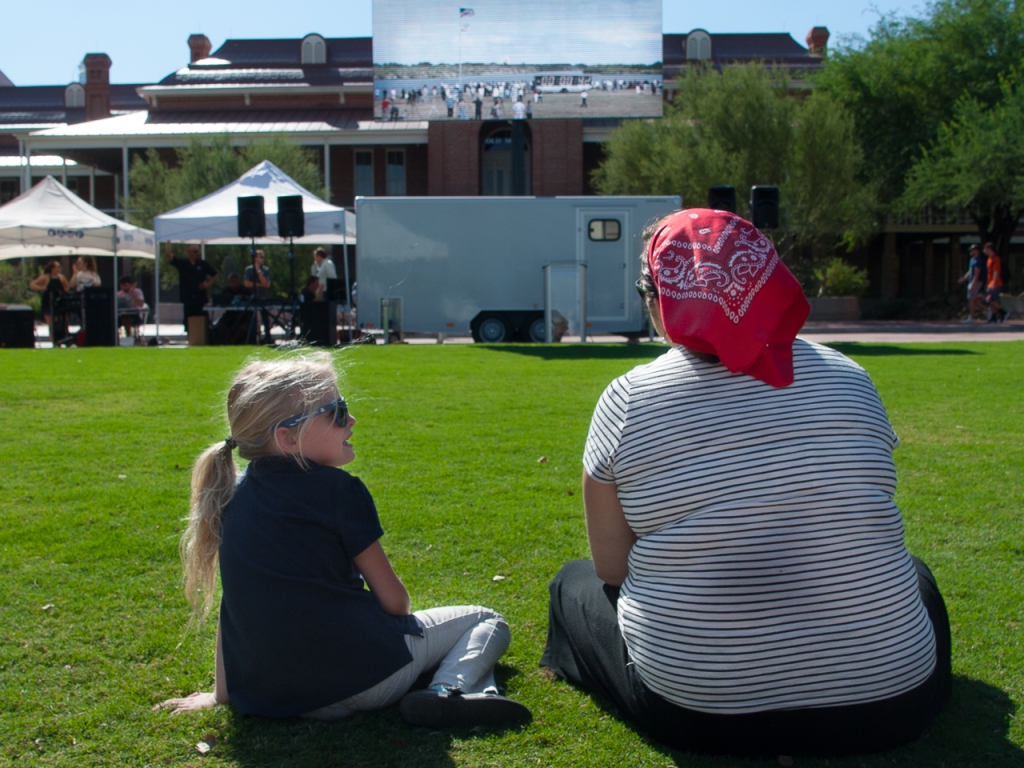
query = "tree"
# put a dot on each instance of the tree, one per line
(205, 167)
(742, 126)
(905, 83)
(977, 163)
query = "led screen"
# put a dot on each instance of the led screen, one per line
(529, 59)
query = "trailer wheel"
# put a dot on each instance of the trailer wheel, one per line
(492, 330)
(537, 333)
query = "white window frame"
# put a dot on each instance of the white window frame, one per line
(395, 187)
(698, 45)
(74, 96)
(356, 192)
(314, 50)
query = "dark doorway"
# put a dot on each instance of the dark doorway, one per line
(505, 158)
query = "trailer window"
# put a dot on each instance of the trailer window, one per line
(604, 229)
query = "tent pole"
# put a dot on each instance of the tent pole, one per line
(348, 288)
(116, 284)
(156, 288)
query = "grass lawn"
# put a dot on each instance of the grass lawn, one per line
(97, 445)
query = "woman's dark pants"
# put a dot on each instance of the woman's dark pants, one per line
(585, 647)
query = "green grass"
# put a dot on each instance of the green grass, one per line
(97, 445)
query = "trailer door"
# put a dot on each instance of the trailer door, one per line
(602, 243)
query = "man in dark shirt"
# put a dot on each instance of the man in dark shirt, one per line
(233, 293)
(194, 276)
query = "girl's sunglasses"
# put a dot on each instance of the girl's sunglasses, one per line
(338, 406)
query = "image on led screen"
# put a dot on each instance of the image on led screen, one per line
(529, 59)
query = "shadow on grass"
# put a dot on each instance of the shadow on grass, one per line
(853, 349)
(582, 351)
(365, 740)
(650, 351)
(973, 730)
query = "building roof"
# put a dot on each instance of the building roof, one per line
(30, 104)
(256, 62)
(176, 128)
(341, 52)
(738, 48)
(5, 81)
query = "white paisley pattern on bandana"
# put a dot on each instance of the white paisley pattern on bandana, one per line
(698, 270)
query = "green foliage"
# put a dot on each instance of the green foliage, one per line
(905, 82)
(977, 163)
(840, 278)
(204, 166)
(92, 621)
(14, 285)
(741, 126)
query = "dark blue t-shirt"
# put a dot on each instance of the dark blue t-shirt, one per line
(299, 629)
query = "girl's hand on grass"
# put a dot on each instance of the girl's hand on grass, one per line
(191, 703)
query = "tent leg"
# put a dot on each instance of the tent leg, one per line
(156, 289)
(116, 284)
(348, 287)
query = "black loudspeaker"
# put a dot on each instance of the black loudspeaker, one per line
(291, 221)
(98, 317)
(320, 323)
(335, 290)
(232, 327)
(722, 197)
(764, 207)
(252, 222)
(17, 327)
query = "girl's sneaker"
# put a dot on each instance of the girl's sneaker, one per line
(444, 707)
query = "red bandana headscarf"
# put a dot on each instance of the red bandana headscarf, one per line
(723, 291)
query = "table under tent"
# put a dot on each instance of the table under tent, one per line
(214, 219)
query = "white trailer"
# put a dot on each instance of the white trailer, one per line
(475, 264)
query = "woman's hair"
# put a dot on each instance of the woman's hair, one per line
(90, 262)
(50, 265)
(650, 289)
(264, 393)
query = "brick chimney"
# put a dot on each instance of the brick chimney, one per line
(97, 85)
(817, 41)
(200, 47)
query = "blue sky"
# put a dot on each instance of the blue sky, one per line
(43, 45)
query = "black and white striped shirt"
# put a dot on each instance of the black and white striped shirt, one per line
(770, 570)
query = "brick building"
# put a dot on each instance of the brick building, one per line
(318, 92)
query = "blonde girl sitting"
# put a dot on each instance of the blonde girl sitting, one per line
(297, 541)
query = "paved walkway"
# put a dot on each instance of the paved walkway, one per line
(865, 331)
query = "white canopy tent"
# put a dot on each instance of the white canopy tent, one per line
(213, 220)
(51, 220)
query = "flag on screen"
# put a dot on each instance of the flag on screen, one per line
(466, 12)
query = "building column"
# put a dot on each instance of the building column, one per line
(124, 169)
(890, 267)
(327, 171)
(27, 178)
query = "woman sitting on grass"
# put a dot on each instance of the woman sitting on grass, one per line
(295, 538)
(750, 590)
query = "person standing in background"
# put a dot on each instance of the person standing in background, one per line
(195, 275)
